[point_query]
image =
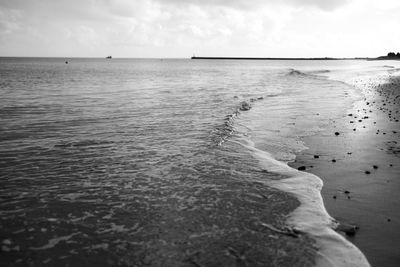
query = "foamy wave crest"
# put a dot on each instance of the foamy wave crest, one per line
(294, 72)
(314, 73)
(311, 216)
(223, 132)
(319, 71)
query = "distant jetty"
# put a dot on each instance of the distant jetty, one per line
(267, 58)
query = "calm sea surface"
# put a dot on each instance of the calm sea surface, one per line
(141, 162)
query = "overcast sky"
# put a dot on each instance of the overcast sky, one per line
(179, 28)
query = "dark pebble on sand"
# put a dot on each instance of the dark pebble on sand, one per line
(389, 220)
(367, 172)
(334, 160)
(337, 133)
(302, 168)
(347, 192)
(334, 197)
(316, 157)
(375, 167)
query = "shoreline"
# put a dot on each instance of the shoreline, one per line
(359, 167)
(311, 217)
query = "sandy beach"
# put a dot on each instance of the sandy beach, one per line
(357, 157)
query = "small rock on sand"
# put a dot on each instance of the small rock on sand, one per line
(337, 133)
(302, 168)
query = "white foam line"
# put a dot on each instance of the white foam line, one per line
(311, 216)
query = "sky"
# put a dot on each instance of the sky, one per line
(181, 28)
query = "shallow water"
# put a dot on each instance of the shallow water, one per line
(142, 162)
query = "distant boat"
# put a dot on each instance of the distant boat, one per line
(109, 57)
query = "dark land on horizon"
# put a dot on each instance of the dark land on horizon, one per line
(273, 58)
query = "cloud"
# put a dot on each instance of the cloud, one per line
(157, 28)
(255, 4)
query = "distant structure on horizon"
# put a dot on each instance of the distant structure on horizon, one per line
(391, 55)
(109, 57)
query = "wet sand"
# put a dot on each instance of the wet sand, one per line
(358, 158)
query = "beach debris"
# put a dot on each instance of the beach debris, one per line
(337, 133)
(302, 168)
(348, 229)
(245, 106)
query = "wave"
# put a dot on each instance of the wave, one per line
(82, 144)
(309, 74)
(294, 72)
(320, 71)
(223, 132)
(311, 216)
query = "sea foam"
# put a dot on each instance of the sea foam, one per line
(311, 216)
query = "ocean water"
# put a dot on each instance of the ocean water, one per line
(147, 162)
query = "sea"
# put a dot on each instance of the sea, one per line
(168, 162)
